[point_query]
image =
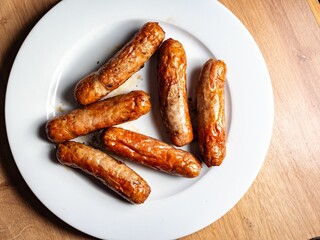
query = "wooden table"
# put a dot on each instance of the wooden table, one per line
(283, 202)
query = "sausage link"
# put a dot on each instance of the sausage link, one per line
(122, 66)
(211, 112)
(172, 63)
(151, 152)
(113, 173)
(99, 115)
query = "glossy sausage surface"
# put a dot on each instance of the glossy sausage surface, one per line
(122, 66)
(211, 113)
(151, 152)
(99, 115)
(113, 173)
(172, 63)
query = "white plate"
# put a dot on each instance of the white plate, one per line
(76, 37)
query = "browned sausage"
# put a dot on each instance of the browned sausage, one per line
(211, 112)
(122, 66)
(113, 173)
(151, 152)
(172, 63)
(99, 115)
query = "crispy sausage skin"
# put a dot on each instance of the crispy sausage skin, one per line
(211, 112)
(151, 152)
(122, 66)
(99, 115)
(172, 64)
(113, 173)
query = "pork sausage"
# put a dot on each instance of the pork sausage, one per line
(122, 66)
(99, 115)
(113, 173)
(151, 152)
(172, 63)
(211, 112)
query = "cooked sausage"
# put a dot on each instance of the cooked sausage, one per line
(211, 113)
(113, 173)
(99, 115)
(122, 66)
(151, 152)
(172, 64)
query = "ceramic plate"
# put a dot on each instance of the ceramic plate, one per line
(78, 36)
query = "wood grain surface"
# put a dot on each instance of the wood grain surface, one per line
(284, 200)
(315, 7)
